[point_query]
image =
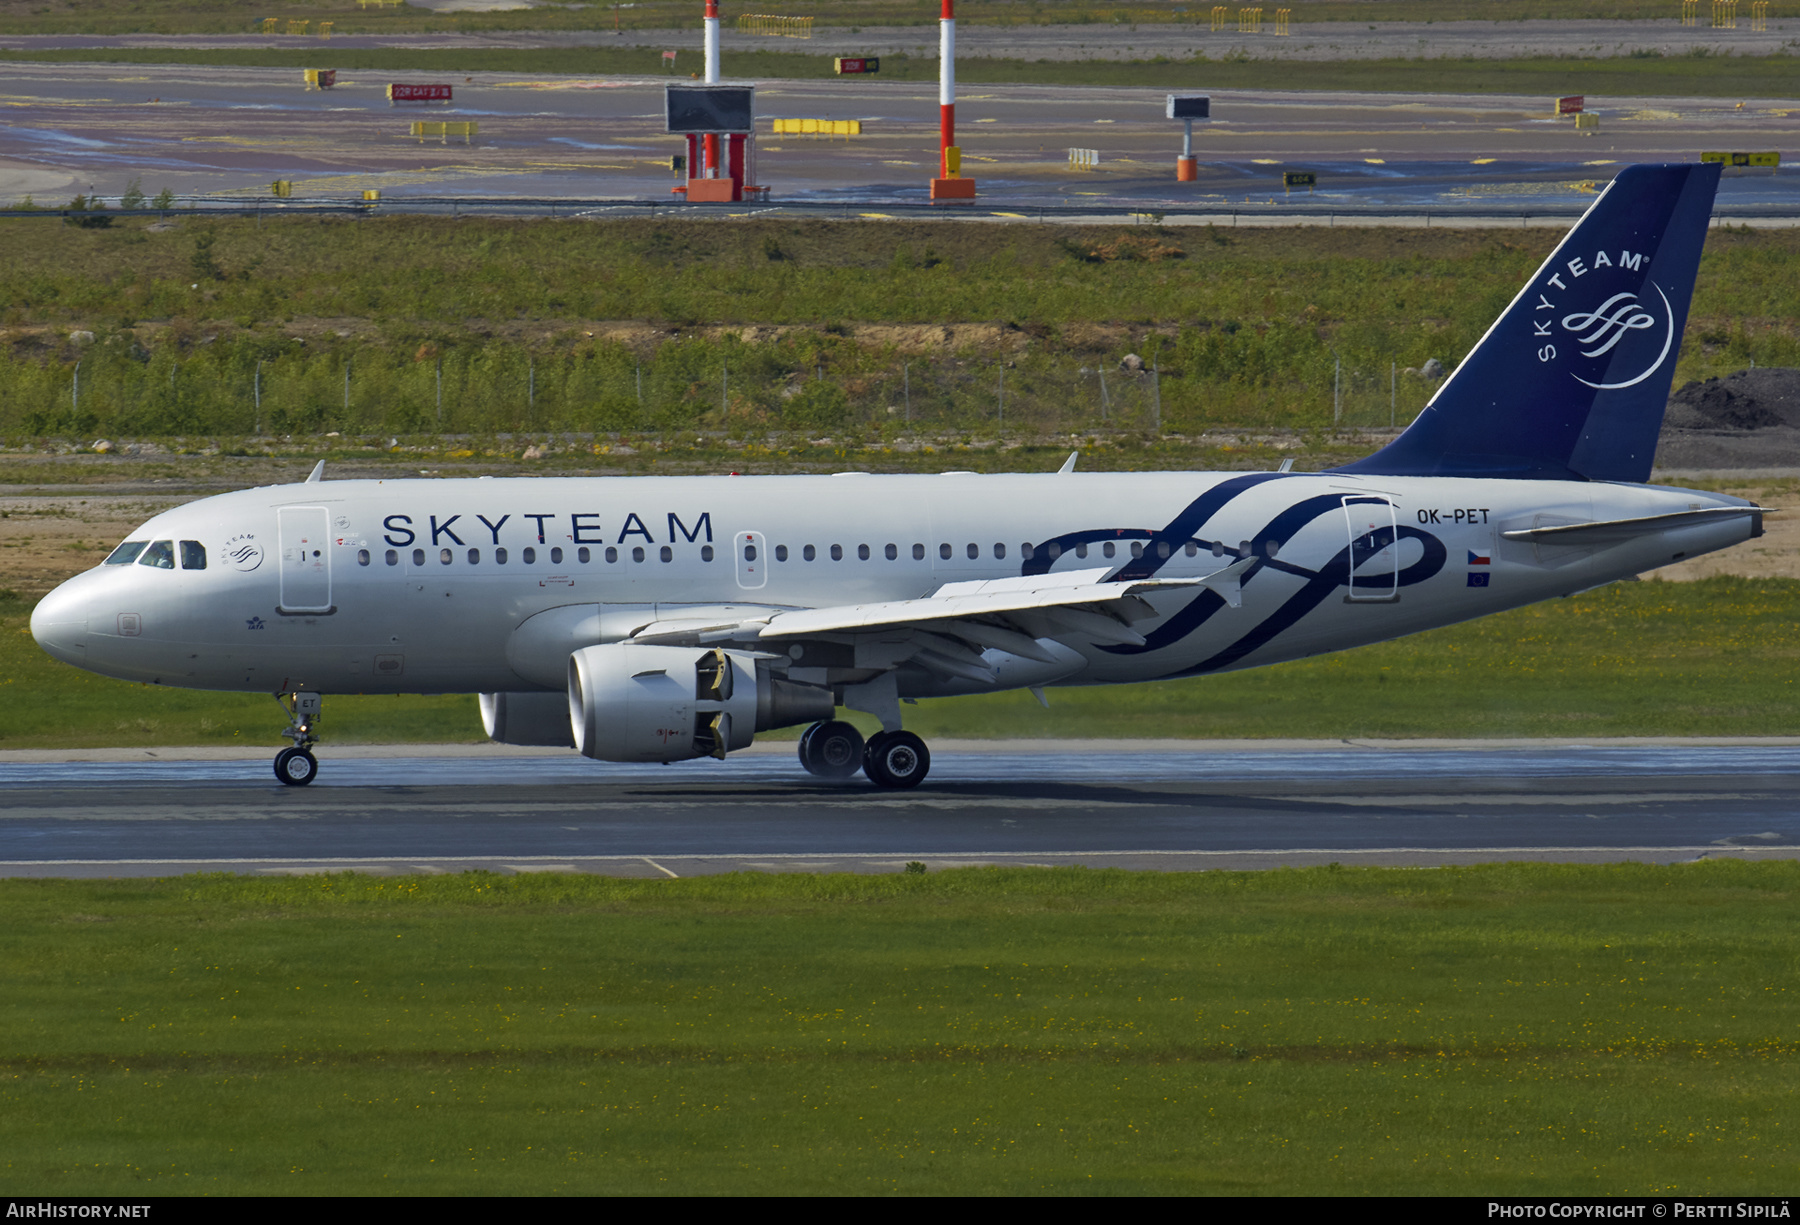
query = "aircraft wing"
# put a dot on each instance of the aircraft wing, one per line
(947, 629)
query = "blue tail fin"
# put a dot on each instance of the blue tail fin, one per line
(1571, 381)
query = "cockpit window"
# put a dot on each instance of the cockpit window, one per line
(126, 553)
(161, 555)
(193, 555)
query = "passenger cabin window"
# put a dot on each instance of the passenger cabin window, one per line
(1081, 550)
(780, 552)
(862, 552)
(837, 552)
(893, 552)
(193, 555)
(161, 555)
(706, 552)
(362, 557)
(528, 555)
(809, 553)
(500, 557)
(583, 555)
(667, 554)
(612, 555)
(637, 553)
(918, 552)
(556, 556)
(418, 557)
(393, 557)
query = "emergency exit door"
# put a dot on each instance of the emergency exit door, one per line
(305, 559)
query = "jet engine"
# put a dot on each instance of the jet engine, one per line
(527, 718)
(629, 702)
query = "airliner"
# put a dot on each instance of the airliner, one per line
(658, 619)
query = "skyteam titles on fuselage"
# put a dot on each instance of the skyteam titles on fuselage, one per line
(585, 527)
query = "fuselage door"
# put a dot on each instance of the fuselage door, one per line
(1373, 558)
(305, 559)
(752, 553)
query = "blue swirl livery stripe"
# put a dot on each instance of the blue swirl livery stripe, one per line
(1334, 574)
(1179, 531)
(1195, 613)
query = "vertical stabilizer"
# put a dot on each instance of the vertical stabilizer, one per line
(1571, 381)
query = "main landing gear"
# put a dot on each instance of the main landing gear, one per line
(297, 766)
(835, 749)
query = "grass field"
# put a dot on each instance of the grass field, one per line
(1514, 1029)
(229, 16)
(1709, 658)
(419, 325)
(1651, 75)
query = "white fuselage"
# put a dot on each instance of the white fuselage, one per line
(365, 586)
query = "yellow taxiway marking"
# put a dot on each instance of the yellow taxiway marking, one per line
(1020, 216)
(1376, 161)
(877, 216)
(1484, 161)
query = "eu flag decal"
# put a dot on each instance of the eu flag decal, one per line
(1478, 580)
(1478, 559)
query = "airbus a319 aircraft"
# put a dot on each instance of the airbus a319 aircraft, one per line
(657, 619)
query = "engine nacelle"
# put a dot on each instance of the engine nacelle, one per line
(540, 719)
(629, 702)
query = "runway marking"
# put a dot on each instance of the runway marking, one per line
(1462, 801)
(657, 866)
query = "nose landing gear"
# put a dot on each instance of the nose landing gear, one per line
(296, 766)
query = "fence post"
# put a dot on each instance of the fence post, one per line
(1105, 401)
(1156, 391)
(256, 393)
(75, 404)
(346, 389)
(1337, 378)
(906, 386)
(725, 389)
(1393, 392)
(1003, 395)
(531, 388)
(440, 391)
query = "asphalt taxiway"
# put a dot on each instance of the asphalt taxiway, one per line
(225, 134)
(1167, 806)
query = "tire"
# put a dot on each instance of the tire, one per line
(896, 760)
(833, 749)
(296, 767)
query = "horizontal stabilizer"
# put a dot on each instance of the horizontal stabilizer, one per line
(1613, 530)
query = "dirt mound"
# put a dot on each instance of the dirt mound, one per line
(1747, 400)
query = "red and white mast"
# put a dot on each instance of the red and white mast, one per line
(710, 142)
(947, 88)
(949, 185)
(712, 42)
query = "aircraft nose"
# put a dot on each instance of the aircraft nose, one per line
(60, 625)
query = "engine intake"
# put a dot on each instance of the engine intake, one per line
(628, 702)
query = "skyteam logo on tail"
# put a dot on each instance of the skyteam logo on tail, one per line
(1613, 334)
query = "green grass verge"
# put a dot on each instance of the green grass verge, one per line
(1710, 658)
(479, 326)
(1514, 1029)
(230, 16)
(1646, 76)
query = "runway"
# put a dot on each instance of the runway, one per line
(1194, 807)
